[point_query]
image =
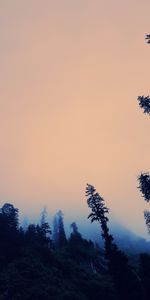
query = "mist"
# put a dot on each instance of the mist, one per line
(70, 76)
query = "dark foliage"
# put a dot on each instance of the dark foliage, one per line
(147, 38)
(99, 211)
(147, 219)
(59, 235)
(125, 279)
(9, 234)
(31, 268)
(9, 214)
(144, 272)
(144, 103)
(144, 185)
(144, 178)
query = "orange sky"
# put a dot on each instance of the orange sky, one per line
(70, 75)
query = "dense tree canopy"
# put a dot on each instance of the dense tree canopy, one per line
(32, 267)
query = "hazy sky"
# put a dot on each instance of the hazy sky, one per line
(71, 71)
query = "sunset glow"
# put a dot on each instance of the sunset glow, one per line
(70, 75)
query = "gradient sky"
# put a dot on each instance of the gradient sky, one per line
(70, 75)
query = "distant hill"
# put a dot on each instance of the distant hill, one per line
(129, 241)
(125, 238)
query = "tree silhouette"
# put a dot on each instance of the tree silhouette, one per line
(78, 271)
(10, 215)
(147, 219)
(74, 228)
(144, 178)
(9, 234)
(144, 103)
(55, 230)
(99, 211)
(75, 237)
(59, 235)
(62, 240)
(124, 277)
(148, 38)
(44, 228)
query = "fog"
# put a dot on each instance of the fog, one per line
(71, 73)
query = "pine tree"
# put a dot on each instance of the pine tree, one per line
(125, 279)
(10, 215)
(75, 237)
(59, 235)
(147, 38)
(144, 178)
(9, 232)
(99, 211)
(144, 103)
(55, 231)
(44, 225)
(74, 228)
(62, 240)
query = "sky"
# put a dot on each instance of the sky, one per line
(70, 75)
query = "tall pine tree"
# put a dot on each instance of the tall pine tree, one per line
(124, 277)
(144, 178)
(59, 235)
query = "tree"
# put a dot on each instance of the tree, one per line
(55, 230)
(9, 232)
(31, 234)
(83, 251)
(59, 235)
(99, 211)
(124, 277)
(144, 268)
(147, 219)
(148, 38)
(76, 241)
(10, 216)
(144, 178)
(44, 228)
(144, 103)
(75, 236)
(74, 228)
(44, 214)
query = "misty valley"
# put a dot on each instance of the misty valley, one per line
(40, 262)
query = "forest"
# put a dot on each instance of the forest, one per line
(38, 262)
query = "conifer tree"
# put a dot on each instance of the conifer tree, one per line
(75, 237)
(125, 279)
(10, 215)
(144, 103)
(99, 211)
(62, 240)
(147, 38)
(55, 230)
(44, 225)
(74, 228)
(59, 235)
(9, 232)
(144, 178)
